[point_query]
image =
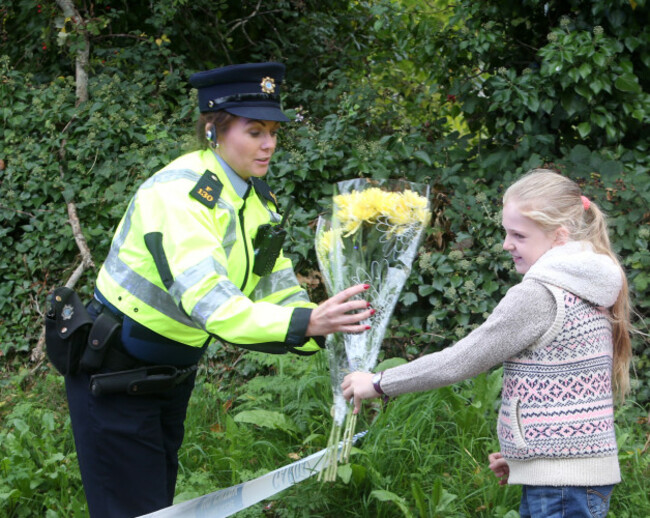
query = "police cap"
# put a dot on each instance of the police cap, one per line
(250, 90)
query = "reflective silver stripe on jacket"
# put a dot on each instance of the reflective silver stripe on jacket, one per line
(195, 275)
(145, 290)
(214, 299)
(300, 296)
(278, 281)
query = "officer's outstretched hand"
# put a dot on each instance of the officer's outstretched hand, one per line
(334, 315)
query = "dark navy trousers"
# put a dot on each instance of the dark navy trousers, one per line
(127, 446)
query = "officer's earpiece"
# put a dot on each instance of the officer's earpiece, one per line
(211, 137)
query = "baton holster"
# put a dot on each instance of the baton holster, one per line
(141, 381)
(67, 324)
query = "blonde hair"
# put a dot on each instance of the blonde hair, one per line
(552, 201)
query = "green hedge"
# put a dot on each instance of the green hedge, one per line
(463, 96)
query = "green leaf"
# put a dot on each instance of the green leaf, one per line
(436, 491)
(596, 86)
(584, 128)
(345, 472)
(408, 298)
(611, 168)
(423, 156)
(612, 133)
(359, 473)
(68, 193)
(390, 363)
(628, 83)
(641, 282)
(548, 105)
(266, 419)
(386, 496)
(585, 91)
(600, 59)
(420, 499)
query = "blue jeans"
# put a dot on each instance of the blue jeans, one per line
(565, 501)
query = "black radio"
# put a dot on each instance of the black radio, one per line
(268, 244)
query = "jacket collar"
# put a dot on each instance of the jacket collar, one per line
(240, 185)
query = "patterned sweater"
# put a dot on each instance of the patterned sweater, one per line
(553, 337)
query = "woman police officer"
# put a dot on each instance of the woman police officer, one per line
(195, 257)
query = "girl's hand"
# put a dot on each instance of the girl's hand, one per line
(334, 315)
(358, 385)
(500, 467)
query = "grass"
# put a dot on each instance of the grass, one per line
(424, 455)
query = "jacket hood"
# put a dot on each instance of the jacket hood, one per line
(576, 268)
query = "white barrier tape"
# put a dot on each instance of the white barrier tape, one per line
(227, 502)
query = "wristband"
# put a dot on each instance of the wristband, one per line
(376, 380)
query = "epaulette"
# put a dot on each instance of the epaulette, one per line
(263, 189)
(208, 189)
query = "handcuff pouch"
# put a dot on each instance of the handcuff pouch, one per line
(103, 332)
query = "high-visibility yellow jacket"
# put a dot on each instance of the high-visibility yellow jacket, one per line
(181, 261)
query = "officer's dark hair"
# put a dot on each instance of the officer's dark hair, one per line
(221, 120)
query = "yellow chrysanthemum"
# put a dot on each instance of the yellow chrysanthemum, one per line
(414, 200)
(399, 213)
(399, 210)
(375, 202)
(423, 215)
(326, 242)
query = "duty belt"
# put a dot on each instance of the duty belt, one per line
(129, 375)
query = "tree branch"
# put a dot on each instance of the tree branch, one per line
(83, 54)
(81, 82)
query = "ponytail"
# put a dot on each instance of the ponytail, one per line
(596, 232)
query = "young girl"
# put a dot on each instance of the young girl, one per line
(562, 336)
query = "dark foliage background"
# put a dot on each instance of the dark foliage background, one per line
(464, 96)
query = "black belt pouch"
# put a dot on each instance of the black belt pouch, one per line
(102, 335)
(143, 381)
(67, 324)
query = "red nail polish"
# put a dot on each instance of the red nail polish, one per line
(368, 305)
(367, 327)
(372, 312)
(366, 286)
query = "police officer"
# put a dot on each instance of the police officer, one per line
(197, 256)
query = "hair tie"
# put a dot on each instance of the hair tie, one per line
(585, 202)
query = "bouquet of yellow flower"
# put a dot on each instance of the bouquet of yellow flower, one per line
(371, 237)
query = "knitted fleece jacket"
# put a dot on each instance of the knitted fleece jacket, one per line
(528, 330)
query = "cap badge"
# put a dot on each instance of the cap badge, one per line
(268, 85)
(67, 312)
